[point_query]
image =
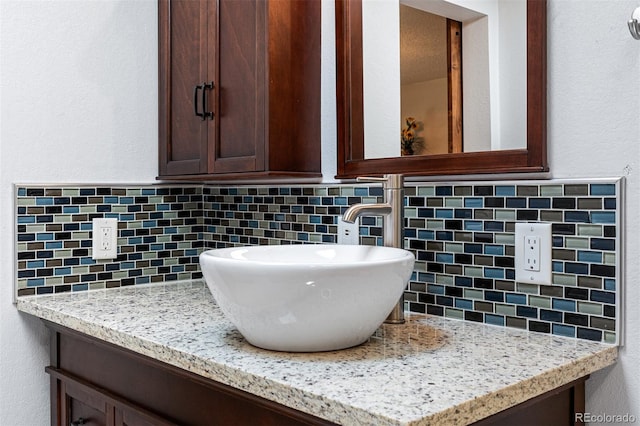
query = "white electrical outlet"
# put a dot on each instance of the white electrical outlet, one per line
(533, 253)
(348, 233)
(105, 238)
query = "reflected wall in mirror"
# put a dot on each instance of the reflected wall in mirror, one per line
(495, 114)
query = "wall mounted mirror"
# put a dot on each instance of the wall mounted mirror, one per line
(485, 93)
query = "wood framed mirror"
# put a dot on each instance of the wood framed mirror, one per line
(351, 109)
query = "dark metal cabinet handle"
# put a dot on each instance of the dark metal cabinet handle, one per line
(206, 114)
(195, 101)
(78, 422)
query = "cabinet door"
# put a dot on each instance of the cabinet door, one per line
(239, 66)
(183, 45)
(80, 407)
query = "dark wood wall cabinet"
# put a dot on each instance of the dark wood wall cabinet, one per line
(239, 89)
(97, 383)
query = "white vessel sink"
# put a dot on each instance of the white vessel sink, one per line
(306, 298)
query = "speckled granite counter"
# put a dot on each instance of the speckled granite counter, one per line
(428, 371)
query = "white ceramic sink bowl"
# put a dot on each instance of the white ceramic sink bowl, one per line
(306, 298)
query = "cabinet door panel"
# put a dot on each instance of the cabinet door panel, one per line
(183, 51)
(240, 77)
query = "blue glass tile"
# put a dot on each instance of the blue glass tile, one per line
(435, 289)
(341, 201)
(426, 277)
(472, 225)
(361, 192)
(603, 296)
(603, 189)
(127, 265)
(464, 304)
(127, 217)
(505, 190)
(589, 334)
(284, 191)
(26, 219)
(114, 266)
(576, 268)
(143, 280)
(603, 244)
(563, 330)
(328, 239)
(516, 299)
(564, 305)
(603, 217)
(70, 209)
(444, 257)
(62, 271)
(590, 256)
(577, 216)
(22, 192)
(126, 200)
(493, 250)
(35, 282)
(557, 266)
(164, 207)
(26, 237)
(494, 319)
(375, 191)
(410, 233)
(364, 231)
(463, 213)
(48, 236)
(516, 203)
(148, 191)
(35, 264)
(111, 200)
(474, 202)
(171, 230)
(444, 191)
(539, 203)
(149, 223)
(27, 274)
(44, 201)
(315, 219)
(52, 245)
(463, 281)
(526, 311)
(234, 239)
(444, 235)
(494, 226)
(87, 191)
(610, 284)
(494, 296)
(87, 261)
(558, 241)
(473, 248)
(426, 212)
(444, 213)
(302, 236)
(156, 247)
(494, 273)
(177, 268)
(80, 287)
(610, 203)
(425, 234)
(111, 215)
(553, 316)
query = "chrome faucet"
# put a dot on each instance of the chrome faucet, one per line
(392, 211)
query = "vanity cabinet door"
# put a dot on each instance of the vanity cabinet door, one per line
(239, 89)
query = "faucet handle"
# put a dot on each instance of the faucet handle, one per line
(392, 181)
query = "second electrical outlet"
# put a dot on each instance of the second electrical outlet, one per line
(105, 238)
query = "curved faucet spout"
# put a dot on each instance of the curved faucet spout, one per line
(357, 210)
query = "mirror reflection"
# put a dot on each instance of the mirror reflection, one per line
(444, 76)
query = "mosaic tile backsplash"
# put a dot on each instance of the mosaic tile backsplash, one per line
(461, 234)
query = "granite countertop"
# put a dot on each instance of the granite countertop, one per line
(430, 370)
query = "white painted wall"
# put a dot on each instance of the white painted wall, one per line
(78, 103)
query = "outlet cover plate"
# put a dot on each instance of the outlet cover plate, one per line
(349, 233)
(104, 238)
(533, 253)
